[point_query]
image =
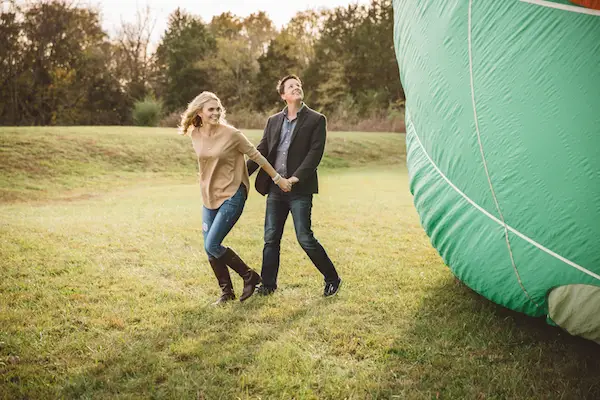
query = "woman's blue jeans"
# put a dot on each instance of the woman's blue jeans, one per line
(217, 223)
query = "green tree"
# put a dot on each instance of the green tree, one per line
(11, 65)
(373, 69)
(360, 38)
(332, 91)
(332, 52)
(232, 70)
(56, 65)
(226, 25)
(180, 74)
(234, 65)
(280, 60)
(259, 30)
(105, 101)
(305, 27)
(50, 63)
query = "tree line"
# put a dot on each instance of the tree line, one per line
(59, 67)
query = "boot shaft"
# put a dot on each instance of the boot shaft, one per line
(222, 274)
(234, 262)
(251, 278)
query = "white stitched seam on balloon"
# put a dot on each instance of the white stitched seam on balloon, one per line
(487, 173)
(411, 128)
(564, 7)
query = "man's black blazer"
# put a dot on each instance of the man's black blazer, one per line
(304, 155)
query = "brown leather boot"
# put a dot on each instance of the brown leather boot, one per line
(251, 277)
(222, 274)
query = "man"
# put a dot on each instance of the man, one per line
(293, 141)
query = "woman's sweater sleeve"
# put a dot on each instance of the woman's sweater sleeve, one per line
(244, 146)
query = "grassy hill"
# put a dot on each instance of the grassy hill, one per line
(72, 162)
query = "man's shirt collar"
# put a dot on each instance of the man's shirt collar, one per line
(285, 109)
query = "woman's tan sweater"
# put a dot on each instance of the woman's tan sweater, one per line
(221, 163)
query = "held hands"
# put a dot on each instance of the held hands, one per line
(285, 184)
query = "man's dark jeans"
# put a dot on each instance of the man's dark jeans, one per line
(279, 205)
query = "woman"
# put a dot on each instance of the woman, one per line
(224, 185)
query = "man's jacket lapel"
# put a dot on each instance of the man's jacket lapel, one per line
(301, 118)
(276, 133)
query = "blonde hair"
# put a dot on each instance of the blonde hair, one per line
(190, 116)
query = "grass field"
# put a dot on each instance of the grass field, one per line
(105, 291)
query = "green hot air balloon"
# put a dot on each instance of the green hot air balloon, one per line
(503, 148)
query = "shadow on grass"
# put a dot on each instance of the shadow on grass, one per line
(458, 346)
(201, 354)
(464, 346)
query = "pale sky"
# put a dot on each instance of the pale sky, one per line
(280, 12)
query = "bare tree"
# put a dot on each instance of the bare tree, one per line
(134, 59)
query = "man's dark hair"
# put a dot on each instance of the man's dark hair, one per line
(282, 81)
